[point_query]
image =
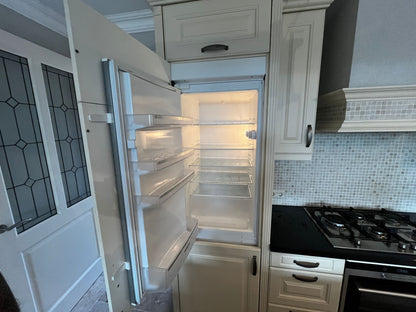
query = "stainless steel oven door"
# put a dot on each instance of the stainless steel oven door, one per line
(378, 288)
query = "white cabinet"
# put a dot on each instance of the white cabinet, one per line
(215, 28)
(295, 98)
(304, 283)
(221, 278)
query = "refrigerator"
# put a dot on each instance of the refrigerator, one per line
(185, 142)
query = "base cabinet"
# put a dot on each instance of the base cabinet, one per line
(220, 278)
(304, 283)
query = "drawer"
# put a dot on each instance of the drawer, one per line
(240, 26)
(280, 308)
(307, 263)
(310, 290)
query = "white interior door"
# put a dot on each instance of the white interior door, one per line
(50, 261)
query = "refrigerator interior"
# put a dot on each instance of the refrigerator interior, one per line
(222, 190)
(191, 170)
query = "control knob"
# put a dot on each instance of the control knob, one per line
(357, 242)
(413, 246)
(402, 246)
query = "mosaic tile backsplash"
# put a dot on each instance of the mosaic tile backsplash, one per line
(366, 170)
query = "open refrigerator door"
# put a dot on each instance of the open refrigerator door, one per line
(152, 179)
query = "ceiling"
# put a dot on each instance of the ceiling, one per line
(50, 13)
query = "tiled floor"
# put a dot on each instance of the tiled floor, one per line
(95, 300)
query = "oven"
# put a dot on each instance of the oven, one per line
(369, 287)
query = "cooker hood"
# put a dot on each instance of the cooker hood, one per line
(368, 81)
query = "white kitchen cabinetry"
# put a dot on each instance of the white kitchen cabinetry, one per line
(295, 99)
(221, 278)
(215, 28)
(304, 283)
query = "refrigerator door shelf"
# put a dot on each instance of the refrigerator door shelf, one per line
(150, 122)
(160, 276)
(155, 160)
(223, 177)
(163, 192)
(221, 163)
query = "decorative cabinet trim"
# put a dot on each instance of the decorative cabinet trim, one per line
(305, 5)
(377, 109)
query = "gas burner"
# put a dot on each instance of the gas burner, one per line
(334, 219)
(372, 230)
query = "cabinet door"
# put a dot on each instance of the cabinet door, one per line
(234, 26)
(300, 61)
(219, 277)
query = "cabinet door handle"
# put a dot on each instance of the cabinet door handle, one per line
(306, 264)
(254, 266)
(214, 47)
(306, 279)
(309, 135)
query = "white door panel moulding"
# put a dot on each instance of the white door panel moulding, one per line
(39, 13)
(134, 21)
(130, 22)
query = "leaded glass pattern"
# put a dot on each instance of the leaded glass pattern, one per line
(63, 108)
(22, 155)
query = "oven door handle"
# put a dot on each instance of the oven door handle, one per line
(306, 279)
(386, 293)
(306, 264)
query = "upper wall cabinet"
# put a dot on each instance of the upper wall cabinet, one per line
(295, 97)
(214, 28)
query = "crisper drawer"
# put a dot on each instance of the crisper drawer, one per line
(311, 290)
(280, 308)
(204, 29)
(309, 263)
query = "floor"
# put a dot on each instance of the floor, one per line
(95, 300)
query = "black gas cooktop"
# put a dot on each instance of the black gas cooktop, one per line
(373, 230)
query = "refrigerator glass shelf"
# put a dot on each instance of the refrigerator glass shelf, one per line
(222, 190)
(165, 190)
(222, 162)
(209, 146)
(223, 222)
(225, 122)
(150, 122)
(218, 177)
(160, 275)
(154, 160)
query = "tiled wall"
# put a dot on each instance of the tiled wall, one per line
(369, 170)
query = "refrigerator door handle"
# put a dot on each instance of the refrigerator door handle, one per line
(254, 266)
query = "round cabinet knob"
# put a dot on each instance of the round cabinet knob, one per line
(402, 246)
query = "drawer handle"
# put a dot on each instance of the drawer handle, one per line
(305, 264)
(214, 47)
(306, 279)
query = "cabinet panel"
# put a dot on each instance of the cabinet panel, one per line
(300, 60)
(280, 308)
(308, 263)
(241, 26)
(305, 289)
(219, 277)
